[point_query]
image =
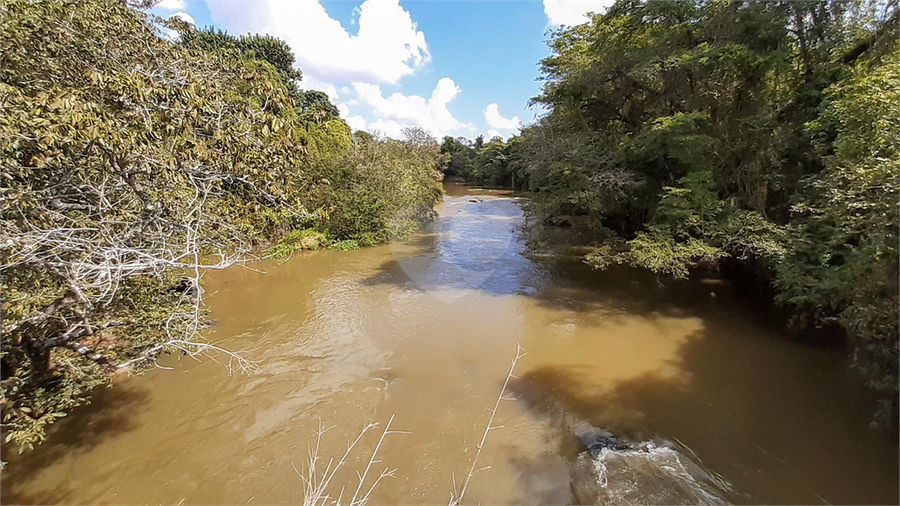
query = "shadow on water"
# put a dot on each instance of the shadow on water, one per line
(777, 419)
(773, 413)
(745, 412)
(111, 413)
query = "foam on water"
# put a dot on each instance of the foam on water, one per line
(654, 472)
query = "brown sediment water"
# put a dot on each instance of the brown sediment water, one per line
(716, 403)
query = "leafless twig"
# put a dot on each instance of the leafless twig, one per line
(316, 483)
(456, 498)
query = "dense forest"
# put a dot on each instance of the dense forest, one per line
(761, 136)
(131, 163)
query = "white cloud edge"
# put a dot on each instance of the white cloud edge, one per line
(398, 111)
(573, 12)
(386, 47)
(184, 16)
(498, 122)
(172, 5)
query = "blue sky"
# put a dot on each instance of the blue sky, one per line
(453, 67)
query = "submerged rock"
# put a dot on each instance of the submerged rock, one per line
(598, 439)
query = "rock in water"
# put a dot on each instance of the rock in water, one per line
(598, 439)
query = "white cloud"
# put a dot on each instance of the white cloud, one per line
(491, 134)
(184, 16)
(389, 128)
(573, 12)
(356, 122)
(172, 5)
(387, 46)
(498, 122)
(399, 111)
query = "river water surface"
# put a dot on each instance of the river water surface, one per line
(715, 404)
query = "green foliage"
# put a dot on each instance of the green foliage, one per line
(311, 106)
(345, 245)
(844, 257)
(685, 132)
(274, 51)
(315, 107)
(327, 139)
(381, 189)
(495, 164)
(461, 156)
(296, 240)
(657, 251)
(269, 49)
(127, 160)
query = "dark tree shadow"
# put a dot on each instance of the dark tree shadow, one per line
(772, 412)
(110, 413)
(58, 495)
(772, 426)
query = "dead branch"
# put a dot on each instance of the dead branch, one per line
(456, 499)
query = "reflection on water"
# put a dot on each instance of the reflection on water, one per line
(714, 405)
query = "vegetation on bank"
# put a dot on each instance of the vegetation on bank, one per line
(129, 161)
(680, 134)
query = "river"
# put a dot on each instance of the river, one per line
(715, 403)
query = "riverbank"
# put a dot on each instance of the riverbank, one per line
(424, 330)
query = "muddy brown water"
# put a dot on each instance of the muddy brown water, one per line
(719, 406)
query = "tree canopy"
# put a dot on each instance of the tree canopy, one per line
(695, 133)
(130, 164)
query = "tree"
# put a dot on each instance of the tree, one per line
(131, 164)
(269, 49)
(382, 188)
(684, 133)
(844, 258)
(315, 107)
(124, 164)
(461, 156)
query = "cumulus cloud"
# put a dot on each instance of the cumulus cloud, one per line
(356, 122)
(389, 128)
(386, 47)
(172, 5)
(573, 12)
(172, 34)
(498, 122)
(399, 111)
